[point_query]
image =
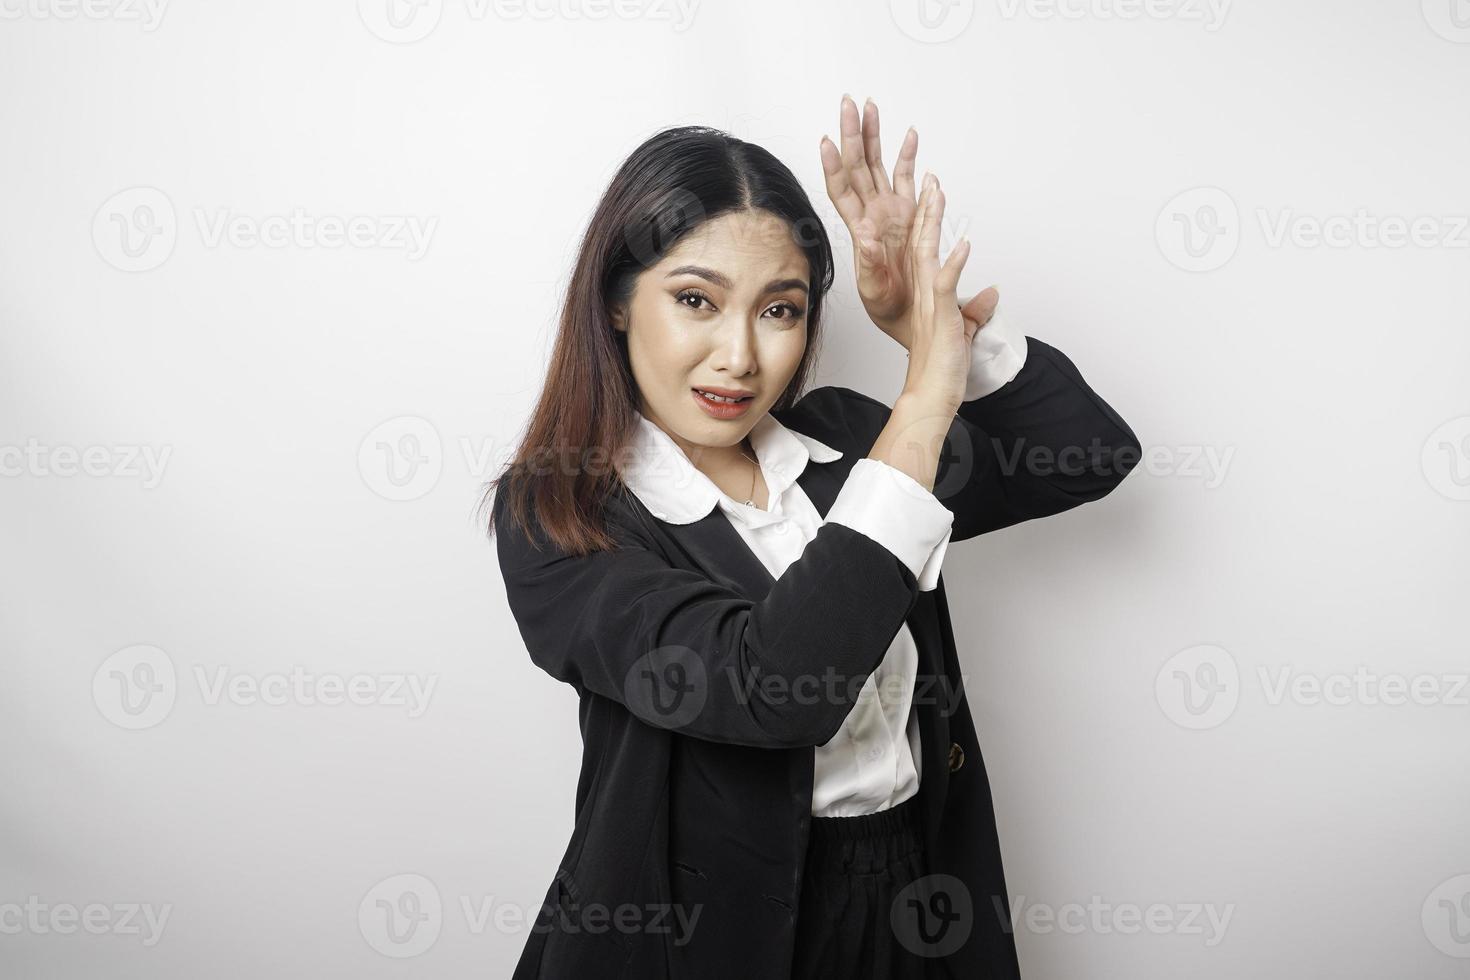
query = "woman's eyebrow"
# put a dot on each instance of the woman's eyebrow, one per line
(723, 281)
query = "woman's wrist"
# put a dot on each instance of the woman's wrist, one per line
(919, 403)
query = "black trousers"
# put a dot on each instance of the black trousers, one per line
(856, 868)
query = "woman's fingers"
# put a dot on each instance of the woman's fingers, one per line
(852, 151)
(916, 231)
(928, 241)
(921, 263)
(981, 307)
(873, 148)
(948, 279)
(903, 170)
(849, 205)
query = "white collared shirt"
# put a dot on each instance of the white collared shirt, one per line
(872, 763)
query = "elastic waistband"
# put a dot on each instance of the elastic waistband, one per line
(901, 818)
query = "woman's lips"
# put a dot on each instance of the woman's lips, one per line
(722, 410)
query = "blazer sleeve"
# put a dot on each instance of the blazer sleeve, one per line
(1042, 443)
(683, 652)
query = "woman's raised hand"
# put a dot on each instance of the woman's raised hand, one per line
(939, 332)
(878, 213)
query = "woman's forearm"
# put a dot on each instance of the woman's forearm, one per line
(914, 435)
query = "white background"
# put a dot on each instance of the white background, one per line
(323, 417)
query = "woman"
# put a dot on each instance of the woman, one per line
(780, 776)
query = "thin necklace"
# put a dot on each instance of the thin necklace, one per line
(755, 468)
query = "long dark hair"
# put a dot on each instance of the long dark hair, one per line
(676, 180)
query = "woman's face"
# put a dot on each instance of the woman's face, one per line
(725, 309)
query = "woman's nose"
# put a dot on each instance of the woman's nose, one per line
(735, 350)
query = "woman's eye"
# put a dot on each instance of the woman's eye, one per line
(692, 298)
(689, 294)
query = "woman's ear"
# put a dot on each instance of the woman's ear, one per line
(619, 317)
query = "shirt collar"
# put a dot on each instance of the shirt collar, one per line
(661, 475)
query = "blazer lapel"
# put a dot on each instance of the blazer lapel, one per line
(719, 549)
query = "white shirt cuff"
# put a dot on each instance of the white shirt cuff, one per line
(884, 503)
(997, 355)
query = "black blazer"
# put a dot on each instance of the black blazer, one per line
(705, 684)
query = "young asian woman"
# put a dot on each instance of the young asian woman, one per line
(741, 579)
